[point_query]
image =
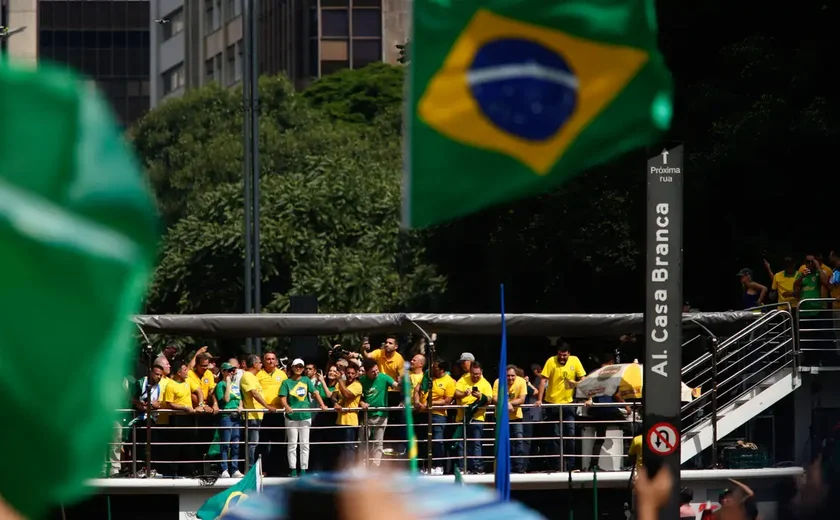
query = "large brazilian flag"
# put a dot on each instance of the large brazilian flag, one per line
(511, 97)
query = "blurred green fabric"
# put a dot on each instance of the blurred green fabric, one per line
(78, 232)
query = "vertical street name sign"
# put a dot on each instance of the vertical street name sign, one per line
(663, 318)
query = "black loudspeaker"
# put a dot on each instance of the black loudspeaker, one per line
(306, 347)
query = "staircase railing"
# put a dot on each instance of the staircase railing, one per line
(740, 363)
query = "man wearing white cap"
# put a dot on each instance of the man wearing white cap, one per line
(466, 360)
(296, 393)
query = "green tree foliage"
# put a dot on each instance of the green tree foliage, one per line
(329, 208)
(358, 96)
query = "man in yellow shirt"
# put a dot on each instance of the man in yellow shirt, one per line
(517, 389)
(350, 394)
(202, 382)
(558, 380)
(635, 452)
(470, 391)
(177, 396)
(252, 399)
(784, 282)
(270, 377)
(442, 393)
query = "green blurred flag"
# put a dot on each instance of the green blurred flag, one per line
(219, 504)
(511, 97)
(79, 231)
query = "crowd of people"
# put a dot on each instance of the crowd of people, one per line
(811, 280)
(299, 416)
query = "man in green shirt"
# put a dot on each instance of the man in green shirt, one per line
(375, 395)
(229, 397)
(295, 394)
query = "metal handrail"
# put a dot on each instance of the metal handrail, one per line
(582, 423)
(744, 362)
(724, 345)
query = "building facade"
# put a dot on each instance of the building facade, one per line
(17, 14)
(196, 42)
(105, 40)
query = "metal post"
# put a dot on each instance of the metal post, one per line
(465, 445)
(133, 450)
(253, 32)
(663, 318)
(246, 165)
(247, 450)
(713, 346)
(429, 401)
(366, 438)
(562, 461)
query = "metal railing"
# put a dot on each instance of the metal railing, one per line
(563, 438)
(819, 327)
(740, 364)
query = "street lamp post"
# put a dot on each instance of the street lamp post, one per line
(251, 165)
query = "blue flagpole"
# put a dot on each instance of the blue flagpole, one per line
(502, 419)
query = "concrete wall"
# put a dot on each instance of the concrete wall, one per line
(23, 46)
(396, 27)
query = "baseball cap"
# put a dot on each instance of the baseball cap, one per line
(745, 271)
(226, 366)
(466, 356)
(298, 361)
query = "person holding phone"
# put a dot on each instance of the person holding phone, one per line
(473, 393)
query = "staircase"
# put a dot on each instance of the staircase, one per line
(755, 369)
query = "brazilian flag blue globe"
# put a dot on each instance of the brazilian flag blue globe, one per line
(79, 229)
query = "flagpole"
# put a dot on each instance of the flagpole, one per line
(502, 470)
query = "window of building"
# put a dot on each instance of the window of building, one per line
(367, 3)
(367, 23)
(217, 68)
(335, 3)
(175, 24)
(208, 16)
(237, 7)
(237, 68)
(330, 67)
(173, 79)
(366, 52)
(335, 23)
(230, 64)
(335, 56)
(217, 15)
(208, 70)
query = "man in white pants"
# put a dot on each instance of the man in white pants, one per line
(295, 394)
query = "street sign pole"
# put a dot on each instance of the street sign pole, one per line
(663, 318)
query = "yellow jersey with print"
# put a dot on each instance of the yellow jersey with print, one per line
(559, 391)
(636, 451)
(247, 386)
(442, 388)
(415, 379)
(466, 384)
(350, 418)
(206, 382)
(782, 283)
(393, 367)
(270, 384)
(519, 389)
(176, 393)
